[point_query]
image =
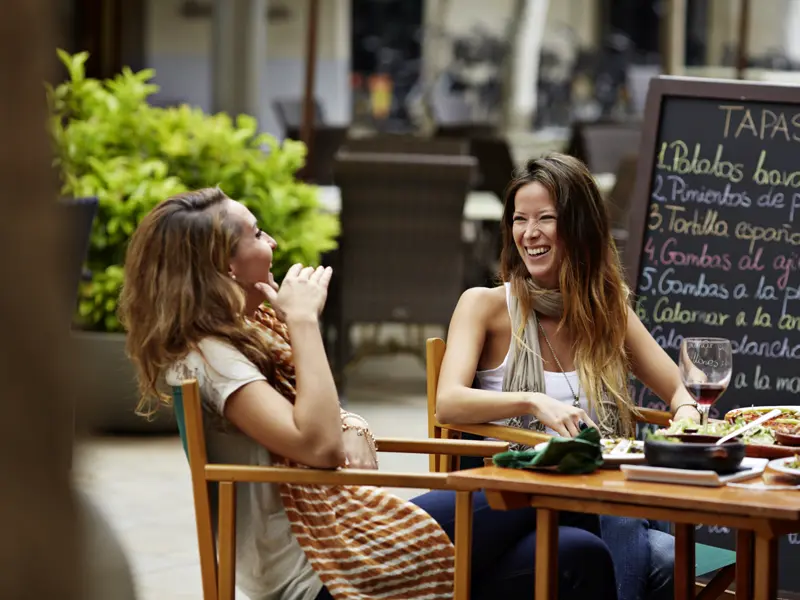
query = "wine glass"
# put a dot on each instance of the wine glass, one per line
(706, 366)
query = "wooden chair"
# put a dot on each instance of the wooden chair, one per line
(708, 558)
(216, 484)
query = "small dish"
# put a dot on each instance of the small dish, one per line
(786, 439)
(695, 455)
(696, 438)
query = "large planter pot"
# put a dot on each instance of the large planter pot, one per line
(106, 392)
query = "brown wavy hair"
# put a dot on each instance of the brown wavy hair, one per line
(594, 293)
(178, 291)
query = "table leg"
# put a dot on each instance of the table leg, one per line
(463, 544)
(766, 568)
(684, 561)
(744, 564)
(546, 554)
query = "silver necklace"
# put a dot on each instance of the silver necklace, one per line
(576, 403)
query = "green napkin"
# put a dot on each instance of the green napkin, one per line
(581, 454)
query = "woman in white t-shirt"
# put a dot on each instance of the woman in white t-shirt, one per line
(552, 348)
(197, 274)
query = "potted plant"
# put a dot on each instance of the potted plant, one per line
(111, 144)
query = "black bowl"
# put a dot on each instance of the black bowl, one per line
(688, 454)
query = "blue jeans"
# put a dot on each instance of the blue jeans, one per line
(504, 542)
(644, 557)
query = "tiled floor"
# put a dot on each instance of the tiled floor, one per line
(142, 484)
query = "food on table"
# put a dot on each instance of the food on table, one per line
(787, 422)
(794, 463)
(619, 446)
(757, 435)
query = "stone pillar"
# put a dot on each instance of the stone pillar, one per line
(673, 47)
(791, 27)
(525, 71)
(238, 56)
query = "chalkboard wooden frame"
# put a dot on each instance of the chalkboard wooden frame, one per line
(666, 86)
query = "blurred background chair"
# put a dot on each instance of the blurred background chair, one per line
(289, 112)
(406, 144)
(603, 144)
(401, 255)
(620, 198)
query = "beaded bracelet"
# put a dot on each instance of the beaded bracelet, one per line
(366, 433)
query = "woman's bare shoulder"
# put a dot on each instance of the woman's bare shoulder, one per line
(485, 296)
(480, 303)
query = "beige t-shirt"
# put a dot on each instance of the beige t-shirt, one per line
(270, 564)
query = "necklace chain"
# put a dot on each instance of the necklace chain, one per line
(576, 402)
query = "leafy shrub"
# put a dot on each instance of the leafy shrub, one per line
(110, 143)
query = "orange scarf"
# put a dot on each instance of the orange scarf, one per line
(363, 542)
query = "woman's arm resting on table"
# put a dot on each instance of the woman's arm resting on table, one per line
(655, 369)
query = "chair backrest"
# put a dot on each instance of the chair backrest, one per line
(326, 142)
(620, 198)
(189, 416)
(603, 145)
(434, 355)
(401, 250)
(407, 144)
(467, 130)
(495, 162)
(290, 112)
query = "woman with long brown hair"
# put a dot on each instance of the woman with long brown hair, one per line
(552, 348)
(197, 274)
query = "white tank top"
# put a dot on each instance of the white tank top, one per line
(555, 384)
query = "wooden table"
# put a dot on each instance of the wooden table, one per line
(759, 516)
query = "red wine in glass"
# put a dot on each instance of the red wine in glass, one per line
(706, 367)
(706, 393)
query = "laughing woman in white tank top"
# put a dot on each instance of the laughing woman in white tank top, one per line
(553, 347)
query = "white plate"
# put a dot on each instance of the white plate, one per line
(779, 465)
(612, 460)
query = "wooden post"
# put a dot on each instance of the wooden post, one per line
(311, 70)
(742, 48)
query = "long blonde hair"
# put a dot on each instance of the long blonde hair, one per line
(594, 293)
(177, 290)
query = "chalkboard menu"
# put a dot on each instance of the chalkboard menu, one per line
(714, 241)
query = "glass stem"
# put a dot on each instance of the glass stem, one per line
(703, 416)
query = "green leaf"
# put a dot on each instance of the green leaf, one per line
(110, 143)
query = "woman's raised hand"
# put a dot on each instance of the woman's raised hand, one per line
(302, 293)
(562, 418)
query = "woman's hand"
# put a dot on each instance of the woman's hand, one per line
(687, 411)
(358, 450)
(302, 293)
(562, 418)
